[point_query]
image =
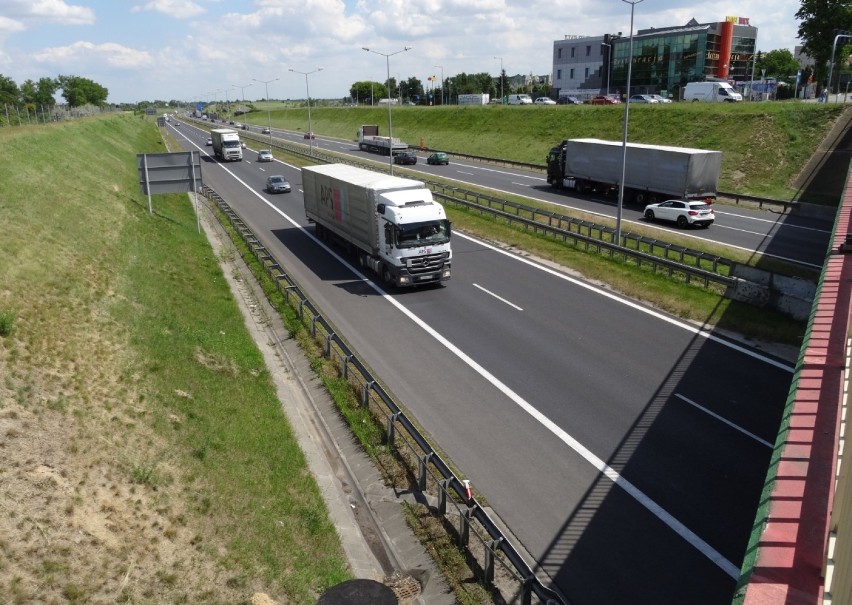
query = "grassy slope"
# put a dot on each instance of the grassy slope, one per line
(146, 458)
(764, 145)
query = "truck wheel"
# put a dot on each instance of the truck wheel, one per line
(386, 275)
(640, 198)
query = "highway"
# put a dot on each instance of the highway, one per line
(793, 238)
(624, 448)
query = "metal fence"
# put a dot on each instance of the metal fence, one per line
(490, 553)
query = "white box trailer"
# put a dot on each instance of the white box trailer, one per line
(226, 144)
(392, 223)
(653, 172)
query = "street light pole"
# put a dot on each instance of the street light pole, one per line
(308, 93)
(608, 64)
(268, 114)
(387, 57)
(501, 79)
(831, 63)
(441, 67)
(243, 91)
(632, 4)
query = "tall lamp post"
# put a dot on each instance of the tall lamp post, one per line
(268, 114)
(632, 4)
(387, 57)
(441, 67)
(842, 34)
(501, 79)
(608, 64)
(243, 91)
(308, 93)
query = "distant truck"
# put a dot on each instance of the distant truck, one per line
(653, 173)
(711, 92)
(474, 99)
(393, 224)
(226, 144)
(369, 140)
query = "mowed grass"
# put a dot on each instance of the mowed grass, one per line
(763, 145)
(128, 373)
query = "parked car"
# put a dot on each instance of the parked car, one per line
(568, 101)
(642, 99)
(208, 142)
(264, 155)
(405, 157)
(604, 100)
(439, 157)
(544, 101)
(277, 184)
(660, 99)
(309, 135)
(265, 131)
(681, 212)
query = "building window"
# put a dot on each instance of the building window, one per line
(588, 51)
(587, 73)
(558, 74)
(571, 76)
(559, 53)
(572, 51)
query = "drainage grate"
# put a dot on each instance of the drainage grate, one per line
(406, 588)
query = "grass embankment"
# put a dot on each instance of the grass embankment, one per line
(763, 145)
(145, 455)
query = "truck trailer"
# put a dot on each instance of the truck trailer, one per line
(226, 144)
(392, 224)
(653, 173)
(369, 140)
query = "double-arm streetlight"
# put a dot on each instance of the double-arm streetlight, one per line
(268, 114)
(632, 4)
(501, 79)
(243, 91)
(308, 93)
(387, 57)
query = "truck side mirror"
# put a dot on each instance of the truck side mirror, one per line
(380, 208)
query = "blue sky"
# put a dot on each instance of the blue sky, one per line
(208, 49)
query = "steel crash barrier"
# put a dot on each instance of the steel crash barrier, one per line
(490, 551)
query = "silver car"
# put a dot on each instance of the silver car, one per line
(277, 184)
(264, 155)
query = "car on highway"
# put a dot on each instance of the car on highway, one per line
(277, 184)
(405, 157)
(683, 213)
(309, 135)
(568, 101)
(264, 155)
(439, 157)
(660, 98)
(243, 144)
(604, 100)
(643, 99)
(208, 142)
(544, 101)
(265, 131)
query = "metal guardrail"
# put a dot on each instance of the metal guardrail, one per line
(477, 533)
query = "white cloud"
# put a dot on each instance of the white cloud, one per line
(180, 9)
(86, 55)
(36, 12)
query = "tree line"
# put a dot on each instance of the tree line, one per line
(436, 92)
(76, 91)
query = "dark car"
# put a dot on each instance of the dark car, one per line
(405, 157)
(277, 184)
(309, 135)
(265, 131)
(605, 100)
(568, 101)
(439, 157)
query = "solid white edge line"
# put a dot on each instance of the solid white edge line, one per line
(500, 298)
(720, 418)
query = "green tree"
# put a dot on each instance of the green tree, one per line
(779, 64)
(363, 92)
(79, 91)
(819, 20)
(9, 91)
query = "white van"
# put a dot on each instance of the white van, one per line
(711, 92)
(519, 100)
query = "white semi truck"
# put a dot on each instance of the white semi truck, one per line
(392, 224)
(369, 140)
(226, 144)
(653, 173)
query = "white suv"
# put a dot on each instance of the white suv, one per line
(544, 101)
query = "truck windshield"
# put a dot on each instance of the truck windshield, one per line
(423, 234)
(231, 143)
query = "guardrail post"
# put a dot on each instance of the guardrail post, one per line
(391, 434)
(328, 340)
(365, 392)
(314, 325)
(464, 527)
(442, 496)
(421, 479)
(489, 561)
(526, 591)
(346, 359)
